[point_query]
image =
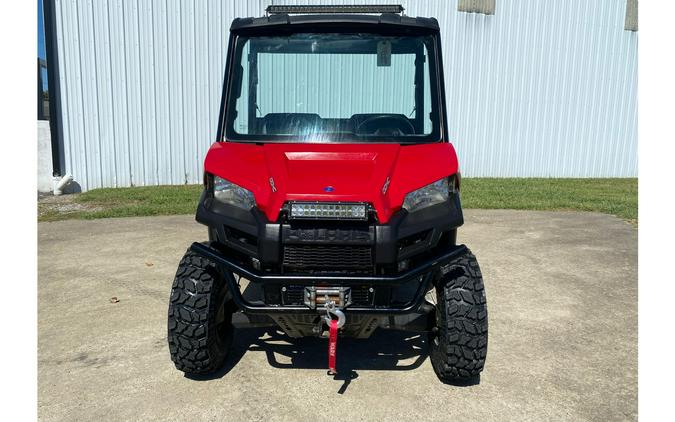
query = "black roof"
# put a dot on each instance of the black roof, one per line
(386, 22)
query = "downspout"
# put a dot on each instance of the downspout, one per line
(55, 123)
(60, 183)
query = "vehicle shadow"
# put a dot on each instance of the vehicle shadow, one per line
(385, 350)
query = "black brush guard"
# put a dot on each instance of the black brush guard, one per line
(424, 271)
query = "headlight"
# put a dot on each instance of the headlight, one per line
(431, 194)
(228, 193)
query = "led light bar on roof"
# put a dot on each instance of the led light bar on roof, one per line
(328, 211)
(363, 8)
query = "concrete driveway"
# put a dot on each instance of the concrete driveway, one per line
(562, 300)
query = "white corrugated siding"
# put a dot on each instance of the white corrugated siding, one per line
(540, 88)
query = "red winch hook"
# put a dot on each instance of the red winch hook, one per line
(333, 326)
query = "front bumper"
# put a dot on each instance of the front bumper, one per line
(422, 276)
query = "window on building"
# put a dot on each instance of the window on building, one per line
(486, 7)
(631, 15)
(42, 93)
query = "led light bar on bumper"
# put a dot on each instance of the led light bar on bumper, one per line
(328, 211)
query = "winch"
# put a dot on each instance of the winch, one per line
(320, 296)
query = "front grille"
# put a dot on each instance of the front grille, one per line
(321, 257)
(346, 236)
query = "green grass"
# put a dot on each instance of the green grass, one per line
(122, 202)
(140, 201)
(611, 196)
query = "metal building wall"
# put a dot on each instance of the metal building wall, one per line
(540, 88)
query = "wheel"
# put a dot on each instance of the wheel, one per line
(458, 343)
(200, 317)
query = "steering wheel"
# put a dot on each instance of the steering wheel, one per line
(386, 124)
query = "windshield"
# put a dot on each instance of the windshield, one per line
(310, 87)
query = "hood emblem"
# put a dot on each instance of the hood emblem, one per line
(274, 189)
(386, 186)
(328, 189)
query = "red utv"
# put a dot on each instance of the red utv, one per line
(331, 194)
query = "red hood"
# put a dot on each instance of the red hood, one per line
(355, 172)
